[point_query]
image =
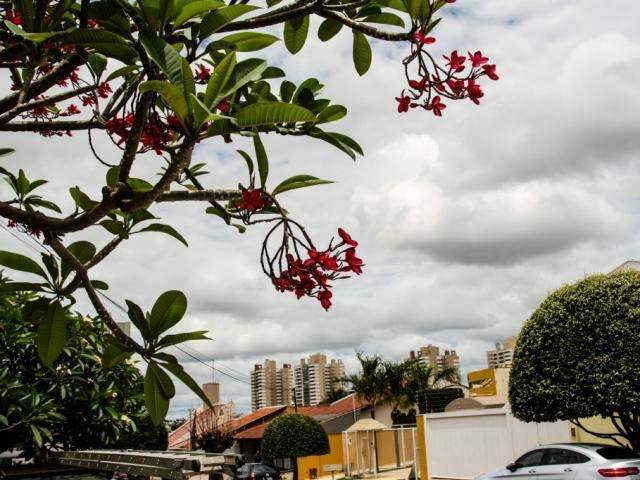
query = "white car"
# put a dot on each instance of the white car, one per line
(571, 461)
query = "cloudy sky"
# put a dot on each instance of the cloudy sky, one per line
(465, 222)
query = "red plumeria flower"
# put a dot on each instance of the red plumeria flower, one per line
(252, 200)
(71, 110)
(403, 103)
(490, 71)
(13, 17)
(422, 39)
(87, 100)
(104, 90)
(203, 73)
(456, 62)
(474, 91)
(437, 106)
(346, 238)
(456, 86)
(324, 259)
(91, 23)
(477, 59)
(223, 106)
(418, 85)
(324, 296)
(355, 263)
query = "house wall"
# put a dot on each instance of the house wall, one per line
(466, 443)
(595, 424)
(318, 462)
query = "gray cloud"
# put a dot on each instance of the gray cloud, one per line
(465, 222)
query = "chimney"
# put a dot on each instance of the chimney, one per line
(412, 354)
(212, 391)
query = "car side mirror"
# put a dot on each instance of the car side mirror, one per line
(512, 467)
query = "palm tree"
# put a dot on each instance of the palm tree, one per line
(421, 378)
(369, 385)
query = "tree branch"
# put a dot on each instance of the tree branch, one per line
(295, 10)
(59, 125)
(611, 436)
(366, 29)
(68, 257)
(199, 195)
(6, 117)
(131, 146)
(59, 72)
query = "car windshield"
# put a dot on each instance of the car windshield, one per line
(617, 453)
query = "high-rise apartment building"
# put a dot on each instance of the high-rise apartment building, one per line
(314, 379)
(284, 385)
(502, 355)
(263, 385)
(430, 356)
(271, 385)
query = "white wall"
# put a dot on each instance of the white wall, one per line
(466, 443)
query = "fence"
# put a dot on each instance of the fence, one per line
(467, 443)
(372, 451)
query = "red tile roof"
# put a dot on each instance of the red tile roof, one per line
(319, 412)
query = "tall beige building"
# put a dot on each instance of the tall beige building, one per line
(314, 379)
(431, 356)
(271, 385)
(284, 385)
(502, 355)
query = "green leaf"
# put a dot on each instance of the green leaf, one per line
(93, 37)
(21, 287)
(82, 250)
(112, 226)
(167, 59)
(81, 199)
(331, 114)
(97, 63)
(361, 53)
(385, 18)
(172, 96)
(219, 77)
(247, 158)
(295, 33)
(52, 333)
(122, 72)
(37, 437)
(99, 285)
(176, 369)
(261, 159)
(113, 355)
(15, 261)
(214, 21)
(338, 140)
(167, 229)
(299, 181)
(33, 37)
(167, 311)
(6, 151)
(328, 29)
(169, 340)
(270, 113)
(138, 319)
(244, 41)
(195, 8)
(40, 202)
(287, 89)
(156, 402)
(243, 73)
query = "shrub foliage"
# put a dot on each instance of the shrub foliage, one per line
(577, 357)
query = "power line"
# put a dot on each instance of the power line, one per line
(125, 311)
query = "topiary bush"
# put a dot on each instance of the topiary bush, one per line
(293, 436)
(577, 357)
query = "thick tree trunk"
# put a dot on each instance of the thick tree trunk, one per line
(294, 465)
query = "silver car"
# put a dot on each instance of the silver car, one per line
(571, 461)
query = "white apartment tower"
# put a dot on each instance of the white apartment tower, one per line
(315, 379)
